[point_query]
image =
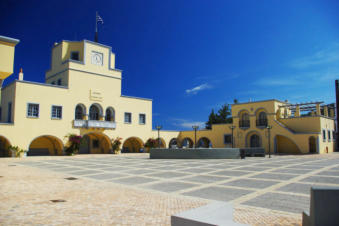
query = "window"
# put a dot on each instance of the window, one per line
(59, 82)
(33, 110)
(227, 139)
(9, 115)
(262, 119)
(324, 135)
(53, 83)
(110, 115)
(128, 117)
(56, 112)
(94, 113)
(74, 55)
(79, 113)
(329, 135)
(142, 119)
(244, 121)
(333, 133)
(95, 144)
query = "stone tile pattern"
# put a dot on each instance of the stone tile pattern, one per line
(252, 184)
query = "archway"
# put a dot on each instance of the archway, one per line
(312, 144)
(95, 112)
(162, 143)
(132, 145)
(285, 145)
(95, 143)
(80, 112)
(187, 143)
(4, 144)
(45, 145)
(204, 142)
(110, 115)
(173, 143)
(254, 141)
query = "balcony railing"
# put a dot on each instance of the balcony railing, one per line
(244, 123)
(261, 122)
(94, 124)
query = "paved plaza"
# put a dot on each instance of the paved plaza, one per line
(280, 184)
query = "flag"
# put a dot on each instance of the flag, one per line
(99, 19)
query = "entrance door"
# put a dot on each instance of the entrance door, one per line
(254, 141)
(312, 144)
(84, 145)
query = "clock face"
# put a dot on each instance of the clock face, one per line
(96, 58)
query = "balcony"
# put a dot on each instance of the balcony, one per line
(244, 123)
(261, 122)
(94, 124)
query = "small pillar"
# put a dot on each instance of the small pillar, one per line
(312, 113)
(297, 111)
(318, 112)
(21, 75)
(326, 111)
(331, 112)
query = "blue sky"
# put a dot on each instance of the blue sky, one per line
(191, 56)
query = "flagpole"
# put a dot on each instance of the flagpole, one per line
(96, 27)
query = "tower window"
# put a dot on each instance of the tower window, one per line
(75, 55)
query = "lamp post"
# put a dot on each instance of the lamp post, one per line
(232, 128)
(269, 140)
(158, 127)
(195, 135)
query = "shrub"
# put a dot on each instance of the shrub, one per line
(116, 144)
(74, 142)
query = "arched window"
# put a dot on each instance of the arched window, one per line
(262, 119)
(254, 141)
(79, 112)
(110, 115)
(244, 120)
(94, 112)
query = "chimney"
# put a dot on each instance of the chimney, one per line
(21, 75)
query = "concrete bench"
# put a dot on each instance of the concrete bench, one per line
(324, 207)
(216, 213)
(254, 152)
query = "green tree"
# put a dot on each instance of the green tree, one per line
(212, 118)
(224, 115)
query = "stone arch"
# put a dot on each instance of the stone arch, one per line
(204, 142)
(4, 145)
(95, 112)
(187, 143)
(95, 143)
(132, 145)
(110, 114)
(45, 145)
(312, 142)
(285, 145)
(253, 139)
(80, 112)
(173, 142)
(162, 143)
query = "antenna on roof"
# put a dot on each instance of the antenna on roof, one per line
(97, 19)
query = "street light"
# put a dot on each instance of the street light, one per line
(195, 135)
(269, 140)
(232, 128)
(158, 127)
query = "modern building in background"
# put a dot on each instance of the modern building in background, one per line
(82, 95)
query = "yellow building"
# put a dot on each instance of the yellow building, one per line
(82, 95)
(274, 125)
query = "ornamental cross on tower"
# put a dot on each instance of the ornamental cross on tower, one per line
(98, 19)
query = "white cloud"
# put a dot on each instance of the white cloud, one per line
(199, 88)
(321, 57)
(187, 124)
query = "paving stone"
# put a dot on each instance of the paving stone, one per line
(218, 193)
(275, 176)
(281, 202)
(97, 166)
(291, 171)
(170, 186)
(329, 173)
(106, 176)
(322, 179)
(297, 188)
(253, 168)
(139, 171)
(85, 172)
(232, 173)
(133, 180)
(205, 179)
(198, 170)
(66, 169)
(115, 169)
(168, 175)
(250, 183)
